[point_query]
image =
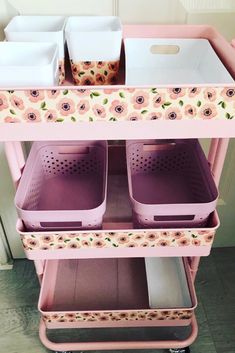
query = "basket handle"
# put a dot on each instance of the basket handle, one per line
(174, 218)
(61, 225)
(73, 150)
(159, 146)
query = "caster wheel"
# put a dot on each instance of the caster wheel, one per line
(180, 350)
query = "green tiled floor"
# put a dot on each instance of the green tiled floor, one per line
(215, 314)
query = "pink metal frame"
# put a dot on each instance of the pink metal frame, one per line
(16, 160)
(161, 251)
(117, 345)
(217, 166)
(216, 157)
(165, 129)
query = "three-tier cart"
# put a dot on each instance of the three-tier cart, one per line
(95, 278)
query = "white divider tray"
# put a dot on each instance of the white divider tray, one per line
(28, 64)
(37, 29)
(167, 283)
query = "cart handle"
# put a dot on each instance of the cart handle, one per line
(117, 345)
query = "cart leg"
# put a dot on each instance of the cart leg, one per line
(219, 159)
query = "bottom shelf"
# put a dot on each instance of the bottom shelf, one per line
(119, 338)
(114, 293)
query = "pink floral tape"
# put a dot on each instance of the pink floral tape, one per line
(112, 104)
(83, 240)
(148, 315)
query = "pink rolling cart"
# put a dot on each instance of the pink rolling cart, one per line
(92, 278)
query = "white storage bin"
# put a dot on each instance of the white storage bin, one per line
(167, 283)
(38, 29)
(94, 44)
(28, 64)
(173, 61)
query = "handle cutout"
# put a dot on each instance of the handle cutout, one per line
(174, 218)
(164, 49)
(73, 150)
(158, 147)
(61, 225)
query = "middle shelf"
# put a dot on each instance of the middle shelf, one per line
(119, 236)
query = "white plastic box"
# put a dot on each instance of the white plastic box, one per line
(94, 44)
(28, 64)
(39, 29)
(173, 61)
(167, 283)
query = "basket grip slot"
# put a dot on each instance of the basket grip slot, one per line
(61, 225)
(166, 49)
(174, 218)
(159, 146)
(73, 150)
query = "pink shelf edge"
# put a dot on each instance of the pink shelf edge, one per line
(106, 248)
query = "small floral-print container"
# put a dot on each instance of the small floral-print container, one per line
(94, 44)
(24, 64)
(173, 61)
(39, 29)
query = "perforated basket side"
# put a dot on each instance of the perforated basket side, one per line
(148, 160)
(52, 159)
(28, 191)
(184, 156)
(59, 160)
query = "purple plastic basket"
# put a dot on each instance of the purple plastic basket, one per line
(64, 186)
(170, 183)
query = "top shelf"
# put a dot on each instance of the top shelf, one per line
(125, 112)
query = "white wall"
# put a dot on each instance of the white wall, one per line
(65, 7)
(151, 11)
(217, 13)
(6, 12)
(132, 11)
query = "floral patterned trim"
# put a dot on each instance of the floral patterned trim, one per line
(135, 239)
(110, 104)
(61, 72)
(88, 73)
(148, 315)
